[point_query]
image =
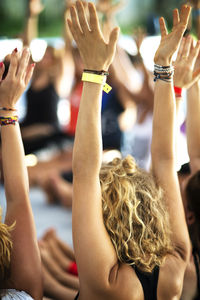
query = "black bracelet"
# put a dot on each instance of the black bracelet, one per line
(102, 72)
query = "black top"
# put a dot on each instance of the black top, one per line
(76, 297)
(42, 106)
(149, 282)
(196, 256)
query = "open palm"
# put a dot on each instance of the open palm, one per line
(95, 52)
(170, 42)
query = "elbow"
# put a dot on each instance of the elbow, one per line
(183, 250)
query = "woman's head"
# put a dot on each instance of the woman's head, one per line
(5, 250)
(49, 59)
(134, 214)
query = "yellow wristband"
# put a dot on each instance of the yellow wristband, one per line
(101, 79)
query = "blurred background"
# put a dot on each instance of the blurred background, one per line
(134, 13)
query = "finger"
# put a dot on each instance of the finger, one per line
(195, 53)
(176, 18)
(192, 45)
(163, 28)
(23, 63)
(71, 28)
(29, 73)
(13, 64)
(180, 51)
(196, 75)
(113, 39)
(2, 69)
(81, 16)
(187, 46)
(75, 22)
(94, 23)
(184, 14)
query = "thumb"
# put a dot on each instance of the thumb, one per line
(196, 76)
(113, 39)
(2, 69)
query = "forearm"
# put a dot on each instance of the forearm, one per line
(193, 121)
(125, 72)
(178, 101)
(163, 123)
(87, 153)
(16, 185)
(31, 30)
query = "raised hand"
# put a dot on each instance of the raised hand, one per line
(187, 71)
(35, 7)
(95, 52)
(18, 77)
(170, 42)
(107, 7)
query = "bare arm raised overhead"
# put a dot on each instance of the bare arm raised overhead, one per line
(163, 142)
(25, 259)
(94, 267)
(35, 7)
(193, 119)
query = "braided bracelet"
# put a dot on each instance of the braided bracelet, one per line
(164, 73)
(8, 120)
(102, 72)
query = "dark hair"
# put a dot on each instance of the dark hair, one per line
(193, 204)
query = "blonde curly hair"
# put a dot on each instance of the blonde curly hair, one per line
(5, 250)
(134, 214)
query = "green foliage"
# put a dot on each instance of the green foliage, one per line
(13, 14)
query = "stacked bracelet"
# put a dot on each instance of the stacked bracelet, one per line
(8, 120)
(178, 92)
(164, 73)
(8, 108)
(97, 77)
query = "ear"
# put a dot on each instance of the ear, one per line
(190, 218)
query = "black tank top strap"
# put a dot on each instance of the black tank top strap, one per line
(149, 282)
(196, 256)
(76, 297)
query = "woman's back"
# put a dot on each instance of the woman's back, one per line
(128, 282)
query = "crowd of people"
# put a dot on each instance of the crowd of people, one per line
(135, 217)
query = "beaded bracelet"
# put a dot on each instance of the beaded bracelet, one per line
(164, 73)
(8, 109)
(8, 120)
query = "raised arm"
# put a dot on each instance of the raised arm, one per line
(184, 74)
(35, 7)
(163, 141)
(193, 121)
(95, 254)
(25, 259)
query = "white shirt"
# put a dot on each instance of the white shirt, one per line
(17, 295)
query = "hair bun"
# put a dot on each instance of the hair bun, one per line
(129, 165)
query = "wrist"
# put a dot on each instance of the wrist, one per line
(96, 78)
(162, 61)
(4, 113)
(96, 67)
